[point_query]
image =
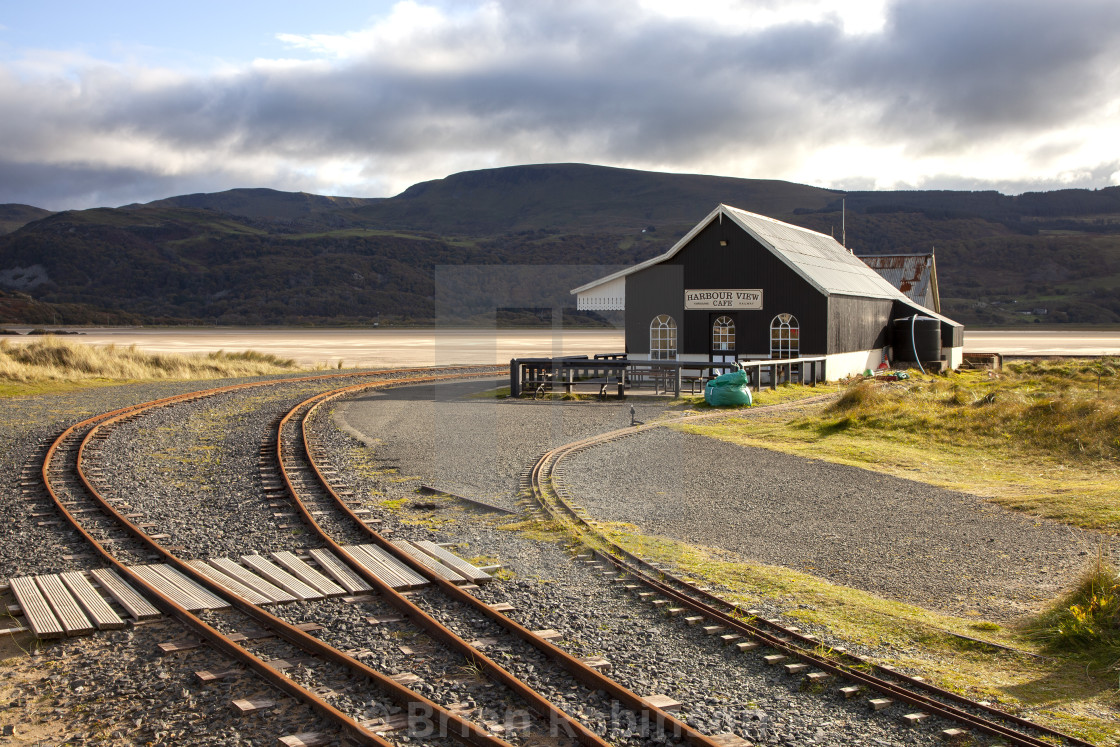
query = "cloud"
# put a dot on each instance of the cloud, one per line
(913, 93)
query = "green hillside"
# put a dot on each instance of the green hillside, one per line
(259, 256)
(13, 216)
(577, 198)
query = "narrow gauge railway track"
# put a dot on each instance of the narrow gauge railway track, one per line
(320, 503)
(122, 543)
(543, 483)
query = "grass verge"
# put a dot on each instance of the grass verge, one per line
(54, 364)
(1052, 687)
(1037, 438)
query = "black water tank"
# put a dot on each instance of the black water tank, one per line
(927, 339)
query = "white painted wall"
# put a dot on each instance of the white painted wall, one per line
(839, 365)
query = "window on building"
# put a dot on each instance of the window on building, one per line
(663, 338)
(723, 334)
(784, 337)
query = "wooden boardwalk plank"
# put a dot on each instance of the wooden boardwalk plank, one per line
(35, 608)
(277, 575)
(374, 565)
(168, 589)
(471, 572)
(99, 611)
(385, 558)
(239, 572)
(429, 562)
(127, 597)
(182, 597)
(340, 572)
(307, 574)
(213, 601)
(65, 607)
(226, 582)
(362, 558)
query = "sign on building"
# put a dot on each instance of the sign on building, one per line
(724, 298)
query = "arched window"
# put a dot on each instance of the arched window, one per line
(663, 338)
(723, 334)
(784, 337)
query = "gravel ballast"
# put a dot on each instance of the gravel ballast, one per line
(192, 467)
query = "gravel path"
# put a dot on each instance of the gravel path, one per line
(200, 460)
(475, 446)
(897, 538)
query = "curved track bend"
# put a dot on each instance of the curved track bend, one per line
(544, 485)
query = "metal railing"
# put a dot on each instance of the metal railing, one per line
(613, 371)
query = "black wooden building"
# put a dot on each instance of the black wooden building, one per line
(743, 286)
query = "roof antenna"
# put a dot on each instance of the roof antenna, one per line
(843, 223)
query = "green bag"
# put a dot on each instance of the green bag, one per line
(728, 390)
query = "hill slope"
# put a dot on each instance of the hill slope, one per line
(258, 256)
(13, 216)
(577, 198)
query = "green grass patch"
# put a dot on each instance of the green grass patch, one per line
(1086, 622)
(780, 395)
(1039, 437)
(1056, 690)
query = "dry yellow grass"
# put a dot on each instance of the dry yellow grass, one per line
(1037, 438)
(54, 363)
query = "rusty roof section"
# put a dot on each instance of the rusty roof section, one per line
(913, 274)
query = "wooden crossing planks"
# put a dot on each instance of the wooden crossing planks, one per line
(307, 574)
(252, 580)
(227, 582)
(65, 607)
(99, 611)
(429, 562)
(384, 566)
(280, 577)
(340, 572)
(471, 572)
(178, 587)
(126, 596)
(187, 584)
(35, 608)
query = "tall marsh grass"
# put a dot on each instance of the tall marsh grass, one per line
(55, 359)
(1041, 407)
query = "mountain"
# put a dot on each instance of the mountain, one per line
(260, 204)
(578, 198)
(13, 216)
(260, 256)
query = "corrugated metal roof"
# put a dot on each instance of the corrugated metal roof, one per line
(820, 259)
(912, 274)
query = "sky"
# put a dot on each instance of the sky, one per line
(115, 102)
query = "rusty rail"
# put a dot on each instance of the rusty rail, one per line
(539, 486)
(450, 724)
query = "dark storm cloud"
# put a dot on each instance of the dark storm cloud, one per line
(581, 81)
(990, 67)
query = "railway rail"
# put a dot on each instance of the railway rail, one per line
(747, 630)
(75, 486)
(319, 502)
(325, 676)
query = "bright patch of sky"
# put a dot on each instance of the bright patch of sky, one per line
(121, 101)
